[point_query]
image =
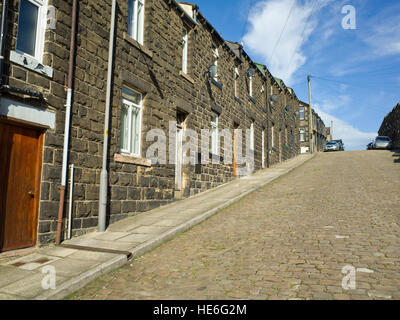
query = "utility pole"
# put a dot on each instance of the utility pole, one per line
(332, 130)
(310, 116)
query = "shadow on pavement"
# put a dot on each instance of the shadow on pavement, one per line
(396, 155)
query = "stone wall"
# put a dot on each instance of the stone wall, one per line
(153, 69)
(391, 126)
(318, 129)
(17, 75)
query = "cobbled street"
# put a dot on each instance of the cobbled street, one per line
(289, 240)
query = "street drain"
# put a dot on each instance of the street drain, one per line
(128, 254)
(19, 264)
(42, 261)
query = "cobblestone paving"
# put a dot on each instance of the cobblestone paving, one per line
(289, 240)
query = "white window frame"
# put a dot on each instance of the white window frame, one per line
(236, 78)
(214, 138)
(131, 105)
(40, 30)
(302, 135)
(184, 50)
(304, 112)
(216, 57)
(135, 33)
(251, 87)
(252, 135)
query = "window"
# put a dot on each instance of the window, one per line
(252, 136)
(184, 50)
(31, 28)
(302, 134)
(236, 78)
(135, 19)
(216, 57)
(251, 86)
(131, 121)
(302, 113)
(214, 134)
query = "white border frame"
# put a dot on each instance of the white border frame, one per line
(135, 35)
(40, 30)
(185, 51)
(132, 105)
(215, 125)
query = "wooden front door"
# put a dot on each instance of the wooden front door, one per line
(20, 171)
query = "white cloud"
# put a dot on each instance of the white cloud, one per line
(340, 102)
(353, 138)
(384, 38)
(267, 21)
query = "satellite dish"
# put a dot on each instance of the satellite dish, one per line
(213, 70)
(251, 72)
(274, 98)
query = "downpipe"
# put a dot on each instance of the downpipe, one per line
(104, 173)
(68, 107)
(64, 166)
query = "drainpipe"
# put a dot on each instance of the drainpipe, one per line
(67, 121)
(3, 32)
(104, 173)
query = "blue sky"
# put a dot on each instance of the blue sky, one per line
(355, 73)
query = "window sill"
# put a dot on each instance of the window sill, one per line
(31, 64)
(217, 84)
(186, 76)
(137, 45)
(238, 100)
(122, 158)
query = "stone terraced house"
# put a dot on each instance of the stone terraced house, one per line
(320, 134)
(170, 70)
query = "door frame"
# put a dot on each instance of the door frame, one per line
(179, 158)
(263, 149)
(235, 141)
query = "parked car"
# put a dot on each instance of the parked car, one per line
(382, 142)
(332, 146)
(370, 146)
(340, 143)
